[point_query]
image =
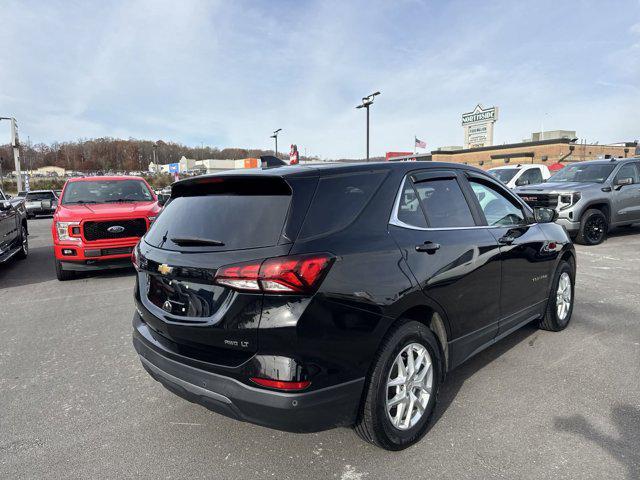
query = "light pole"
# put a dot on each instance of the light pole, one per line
(275, 137)
(15, 143)
(366, 103)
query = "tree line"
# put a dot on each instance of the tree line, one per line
(112, 154)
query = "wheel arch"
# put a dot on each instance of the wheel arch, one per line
(603, 206)
(25, 224)
(435, 321)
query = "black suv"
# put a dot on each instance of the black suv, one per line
(309, 297)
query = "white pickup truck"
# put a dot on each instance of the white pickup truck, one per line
(520, 175)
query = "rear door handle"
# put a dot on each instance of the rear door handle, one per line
(506, 240)
(428, 247)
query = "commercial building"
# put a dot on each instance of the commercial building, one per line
(551, 151)
(209, 165)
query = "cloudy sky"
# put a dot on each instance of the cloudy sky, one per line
(228, 73)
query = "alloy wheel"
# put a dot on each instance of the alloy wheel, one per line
(409, 386)
(25, 241)
(563, 296)
(595, 228)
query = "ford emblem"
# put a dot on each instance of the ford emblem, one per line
(115, 229)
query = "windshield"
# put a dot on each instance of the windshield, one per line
(503, 174)
(106, 191)
(592, 173)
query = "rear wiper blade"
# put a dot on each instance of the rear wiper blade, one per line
(196, 242)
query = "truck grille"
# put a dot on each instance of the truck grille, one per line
(100, 230)
(540, 199)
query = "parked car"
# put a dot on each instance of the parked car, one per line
(40, 202)
(308, 297)
(98, 222)
(14, 241)
(518, 175)
(591, 197)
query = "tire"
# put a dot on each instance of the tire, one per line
(63, 275)
(556, 319)
(374, 424)
(24, 240)
(593, 228)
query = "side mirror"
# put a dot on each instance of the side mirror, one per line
(162, 199)
(545, 215)
(521, 182)
(624, 181)
(4, 205)
(481, 196)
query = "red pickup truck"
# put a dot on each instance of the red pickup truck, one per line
(98, 221)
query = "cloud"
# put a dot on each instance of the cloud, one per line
(229, 73)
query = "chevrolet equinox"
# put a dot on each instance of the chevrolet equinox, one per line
(303, 298)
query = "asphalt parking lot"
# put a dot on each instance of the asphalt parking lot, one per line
(75, 402)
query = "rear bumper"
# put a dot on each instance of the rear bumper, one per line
(293, 412)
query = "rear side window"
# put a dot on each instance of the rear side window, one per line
(220, 217)
(444, 203)
(338, 202)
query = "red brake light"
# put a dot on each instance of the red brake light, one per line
(296, 274)
(280, 384)
(242, 276)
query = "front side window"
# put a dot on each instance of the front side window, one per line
(497, 209)
(106, 191)
(629, 170)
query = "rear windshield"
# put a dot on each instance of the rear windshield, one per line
(38, 196)
(231, 219)
(106, 191)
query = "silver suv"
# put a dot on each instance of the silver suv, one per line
(591, 197)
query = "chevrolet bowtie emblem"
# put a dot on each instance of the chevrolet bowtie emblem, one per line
(165, 269)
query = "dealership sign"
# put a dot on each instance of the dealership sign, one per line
(478, 126)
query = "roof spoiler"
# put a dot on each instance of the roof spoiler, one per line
(269, 161)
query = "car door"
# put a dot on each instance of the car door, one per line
(527, 256)
(4, 224)
(454, 259)
(626, 198)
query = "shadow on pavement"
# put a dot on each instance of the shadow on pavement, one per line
(624, 447)
(38, 267)
(455, 379)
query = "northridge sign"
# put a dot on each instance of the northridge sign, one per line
(478, 126)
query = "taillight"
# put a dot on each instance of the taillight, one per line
(281, 384)
(296, 274)
(134, 257)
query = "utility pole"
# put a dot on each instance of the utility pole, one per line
(275, 137)
(366, 103)
(15, 143)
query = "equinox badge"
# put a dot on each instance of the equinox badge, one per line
(165, 269)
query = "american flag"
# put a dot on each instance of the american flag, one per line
(420, 143)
